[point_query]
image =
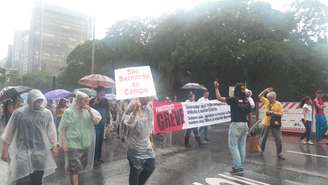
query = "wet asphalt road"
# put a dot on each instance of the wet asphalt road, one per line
(208, 165)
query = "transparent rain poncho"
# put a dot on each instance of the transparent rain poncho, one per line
(77, 132)
(30, 134)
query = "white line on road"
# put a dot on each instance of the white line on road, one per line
(247, 179)
(237, 179)
(313, 155)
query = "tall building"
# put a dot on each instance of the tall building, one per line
(54, 33)
(20, 51)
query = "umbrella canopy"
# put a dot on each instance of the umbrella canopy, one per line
(88, 91)
(193, 86)
(58, 94)
(12, 91)
(97, 80)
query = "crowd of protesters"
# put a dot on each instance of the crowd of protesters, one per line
(35, 133)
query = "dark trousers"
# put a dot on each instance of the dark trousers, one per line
(99, 141)
(33, 179)
(194, 130)
(276, 135)
(140, 170)
(307, 133)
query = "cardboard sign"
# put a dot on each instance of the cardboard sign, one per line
(134, 82)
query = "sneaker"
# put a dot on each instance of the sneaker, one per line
(281, 157)
(303, 141)
(236, 171)
(310, 143)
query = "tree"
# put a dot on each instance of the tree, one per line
(39, 80)
(234, 41)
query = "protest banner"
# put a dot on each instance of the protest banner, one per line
(134, 82)
(175, 116)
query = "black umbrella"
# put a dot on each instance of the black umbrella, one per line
(193, 86)
(11, 92)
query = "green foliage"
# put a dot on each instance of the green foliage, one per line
(234, 41)
(39, 80)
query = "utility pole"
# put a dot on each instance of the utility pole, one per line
(93, 46)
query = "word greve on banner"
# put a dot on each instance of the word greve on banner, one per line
(134, 82)
(175, 116)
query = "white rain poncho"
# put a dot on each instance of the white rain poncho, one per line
(77, 132)
(30, 134)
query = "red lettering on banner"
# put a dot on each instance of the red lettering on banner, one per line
(168, 120)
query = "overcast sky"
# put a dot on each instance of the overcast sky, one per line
(16, 14)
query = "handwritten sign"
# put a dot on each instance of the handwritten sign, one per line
(134, 82)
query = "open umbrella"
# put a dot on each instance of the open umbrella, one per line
(88, 91)
(97, 80)
(193, 86)
(57, 94)
(12, 91)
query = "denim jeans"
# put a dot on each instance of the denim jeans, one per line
(99, 140)
(203, 132)
(237, 143)
(307, 133)
(140, 170)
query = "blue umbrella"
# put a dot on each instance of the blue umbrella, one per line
(57, 94)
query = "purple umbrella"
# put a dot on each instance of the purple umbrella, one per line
(57, 94)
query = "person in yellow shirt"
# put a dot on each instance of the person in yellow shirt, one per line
(272, 120)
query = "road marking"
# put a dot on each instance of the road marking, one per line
(234, 178)
(293, 182)
(313, 155)
(247, 179)
(226, 178)
(196, 183)
(219, 181)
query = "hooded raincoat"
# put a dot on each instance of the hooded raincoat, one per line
(30, 134)
(77, 132)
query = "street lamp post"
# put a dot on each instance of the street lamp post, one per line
(93, 47)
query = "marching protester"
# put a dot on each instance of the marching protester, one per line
(60, 109)
(10, 106)
(240, 108)
(203, 131)
(320, 118)
(306, 105)
(101, 104)
(77, 136)
(30, 142)
(272, 120)
(191, 98)
(141, 156)
(249, 98)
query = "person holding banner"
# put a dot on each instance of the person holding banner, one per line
(191, 98)
(238, 130)
(141, 156)
(320, 118)
(203, 131)
(272, 120)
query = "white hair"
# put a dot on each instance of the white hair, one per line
(272, 95)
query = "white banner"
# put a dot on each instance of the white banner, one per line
(134, 82)
(197, 114)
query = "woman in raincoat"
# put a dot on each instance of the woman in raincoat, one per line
(29, 142)
(77, 136)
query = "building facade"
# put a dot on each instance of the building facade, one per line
(54, 33)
